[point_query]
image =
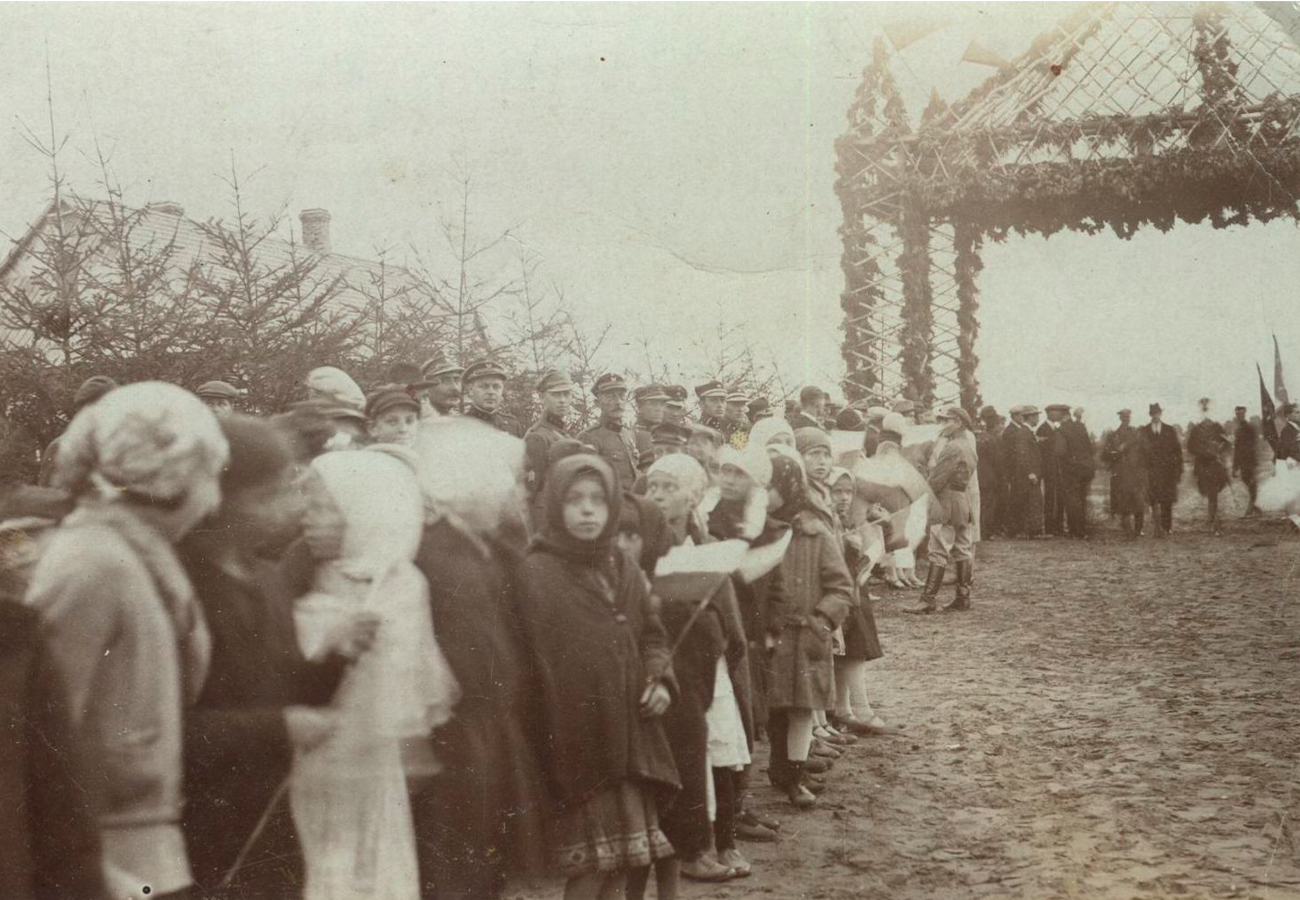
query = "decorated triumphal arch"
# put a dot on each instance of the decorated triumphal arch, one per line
(1125, 114)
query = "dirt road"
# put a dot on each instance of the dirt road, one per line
(1113, 720)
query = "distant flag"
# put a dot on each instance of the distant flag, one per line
(981, 55)
(1279, 389)
(1267, 412)
(904, 34)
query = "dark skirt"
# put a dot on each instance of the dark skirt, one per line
(861, 640)
(615, 830)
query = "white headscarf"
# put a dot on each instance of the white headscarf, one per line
(150, 438)
(471, 472)
(765, 430)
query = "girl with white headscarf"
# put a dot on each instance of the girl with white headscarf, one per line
(349, 794)
(121, 620)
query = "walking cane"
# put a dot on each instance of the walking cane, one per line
(256, 833)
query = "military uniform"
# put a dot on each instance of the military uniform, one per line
(642, 430)
(543, 434)
(614, 442)
(711, 389)
(498, 420)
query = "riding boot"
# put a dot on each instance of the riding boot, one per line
(778, 766)
(929, 597)
(965, 574)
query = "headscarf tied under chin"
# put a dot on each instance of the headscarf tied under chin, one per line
(686, 471)
(765, 430)
(553, 536)
(788, 480)
(151, 439)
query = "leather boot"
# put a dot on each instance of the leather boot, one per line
(928, 603)
(965, 574)
(800, 797)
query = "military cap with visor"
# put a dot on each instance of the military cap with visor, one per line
(482, 368)
(553, 380)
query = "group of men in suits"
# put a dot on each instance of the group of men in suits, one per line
(1034, 476)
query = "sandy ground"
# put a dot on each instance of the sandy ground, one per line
(1114, 719)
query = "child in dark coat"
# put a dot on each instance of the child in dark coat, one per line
(604, 678)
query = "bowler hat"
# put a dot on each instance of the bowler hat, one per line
(760, 407)
(989, 414)
(1154, 409)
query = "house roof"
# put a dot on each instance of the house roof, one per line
(162, 223)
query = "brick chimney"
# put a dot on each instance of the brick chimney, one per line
(316, 230)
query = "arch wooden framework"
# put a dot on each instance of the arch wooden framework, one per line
(1125, 114)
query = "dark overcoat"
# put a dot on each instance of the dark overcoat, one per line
(1166, 463)
(593, 652)
(817, 586)
(483, 816)
(1128, 454)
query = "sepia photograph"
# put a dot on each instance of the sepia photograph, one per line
(642, 450)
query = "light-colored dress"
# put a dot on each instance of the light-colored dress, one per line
(349, 795)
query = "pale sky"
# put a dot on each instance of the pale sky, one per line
(670, 165)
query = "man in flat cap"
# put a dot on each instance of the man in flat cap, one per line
(812, 408)
(219, 396)
(1077, 466)
(484, 385)
(651, 407)
(1127, 452)
(1245, 457)
(612, 440)
(1047, 434)
(713, 403)
(555, 395)
(758, 408)
(988, 449)
(675, 408)
(952, 477)
(444, 387)
(86, 394)
(1024, 468)
(735, 423)
(1166, 469)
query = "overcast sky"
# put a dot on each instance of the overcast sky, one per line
(669, 164)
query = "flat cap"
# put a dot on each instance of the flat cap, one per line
(1058, 407)
(904, 406)
(92, 389)
(1029, 410)
(956, 412)
(438, 366)
(670, 433)
(650, 392)
(760, 406)
(710, 389)
(1125, 412)
(676, 395)
(217, 390)
(482, 368)
(553, 380)
(390, 397)
(610, 381)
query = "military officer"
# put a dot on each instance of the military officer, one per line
(675, 411)
(555, 393)
(735, 424)
(444, 384)
(612, 440)
(484, 384)
(713, 403)
(651, 407)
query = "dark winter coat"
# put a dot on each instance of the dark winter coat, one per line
(237, 749)
(49, 842)
(1166, 463)
(1128, 454)
(763, 605)
(861, 638)
(1245, 451)
(1075, 452)
(484, 815)
(819, 591)
(1206, 443)
(538, 440)
(617, 447)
